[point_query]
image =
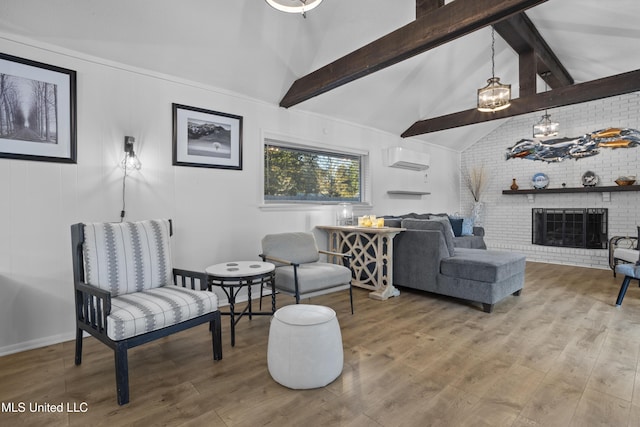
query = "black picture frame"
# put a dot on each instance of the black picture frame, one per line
(205, 138)
(37, 111)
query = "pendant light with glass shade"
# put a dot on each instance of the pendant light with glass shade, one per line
(545, 127)
(294, 6)
(495, 96)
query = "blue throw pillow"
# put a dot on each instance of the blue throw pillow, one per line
(456, 224)
(467, 227)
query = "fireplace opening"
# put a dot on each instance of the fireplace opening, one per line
(570, 228)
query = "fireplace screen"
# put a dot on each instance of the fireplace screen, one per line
(570, 228)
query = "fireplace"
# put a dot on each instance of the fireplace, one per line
(570, 228)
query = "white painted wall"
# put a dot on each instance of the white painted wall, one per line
(217, 213)
(507, 218)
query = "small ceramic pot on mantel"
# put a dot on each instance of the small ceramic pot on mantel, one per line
(514, 186)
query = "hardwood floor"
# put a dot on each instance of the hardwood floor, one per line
(561, 354)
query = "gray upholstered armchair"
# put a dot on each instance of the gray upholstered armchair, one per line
(631, 272)
(127, 293)
(299, 271)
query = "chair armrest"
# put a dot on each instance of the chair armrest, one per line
(93, 305)
(94, 291)
(188, 278)
(627, 242)
(278, 260)
(335, 253)
(346, 257)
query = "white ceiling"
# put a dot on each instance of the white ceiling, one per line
(245, 46)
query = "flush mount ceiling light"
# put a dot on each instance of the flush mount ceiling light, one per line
(294, 6)
(495, 96)
(545, 127)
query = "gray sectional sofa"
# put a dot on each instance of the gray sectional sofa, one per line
(473, 238)
(427, 258)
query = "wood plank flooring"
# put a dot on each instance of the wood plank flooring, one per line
(561, 354)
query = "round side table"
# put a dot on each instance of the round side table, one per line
(232, 276)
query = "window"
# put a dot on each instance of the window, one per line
(298, 174)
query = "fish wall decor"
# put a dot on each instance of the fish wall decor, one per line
(558, 149)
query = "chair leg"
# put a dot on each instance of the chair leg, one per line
(517, 293)
(122, 373)
(216, 336)
(488, 308)
(623, 290)
(78, 346)
(296, 287)
(351, 297)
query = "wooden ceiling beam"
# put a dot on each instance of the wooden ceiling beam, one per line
(523, 37)
(426, 6)
(527, 65)
(560, 97)
(432, 29)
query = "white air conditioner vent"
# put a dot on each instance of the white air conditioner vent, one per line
(403, 158)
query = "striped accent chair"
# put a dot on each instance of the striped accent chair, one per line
(128, 294)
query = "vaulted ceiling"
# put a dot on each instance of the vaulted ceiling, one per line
(245, 46)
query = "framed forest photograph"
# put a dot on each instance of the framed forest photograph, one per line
(204, 138)
(37, 111)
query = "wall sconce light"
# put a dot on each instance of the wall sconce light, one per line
(130, 160)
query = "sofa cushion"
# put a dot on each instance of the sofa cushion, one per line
(438, 224)
(392, 221)
(630, 270)
(129, 256)
(423, 216)
(141, 312)
(456, 225)
(467, 227)
(482, 265)
(470, 242)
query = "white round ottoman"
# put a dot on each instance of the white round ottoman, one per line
(305, 346)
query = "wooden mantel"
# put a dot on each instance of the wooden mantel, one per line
(596, 189)
(605, 190)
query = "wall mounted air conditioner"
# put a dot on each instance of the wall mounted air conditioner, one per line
(403, 158)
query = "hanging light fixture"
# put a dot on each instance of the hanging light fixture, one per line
(545, 127)
(495, 96)
(294, 6)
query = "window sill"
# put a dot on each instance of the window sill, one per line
(274, 207)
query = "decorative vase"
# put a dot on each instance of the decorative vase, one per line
(514, 186)
(476, 213)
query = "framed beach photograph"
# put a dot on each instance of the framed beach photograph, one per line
(37, 111)
(204, 138)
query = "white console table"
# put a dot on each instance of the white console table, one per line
(372, 251)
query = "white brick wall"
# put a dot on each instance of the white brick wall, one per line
(507, 218)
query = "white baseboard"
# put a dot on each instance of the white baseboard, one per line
(40, 342)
